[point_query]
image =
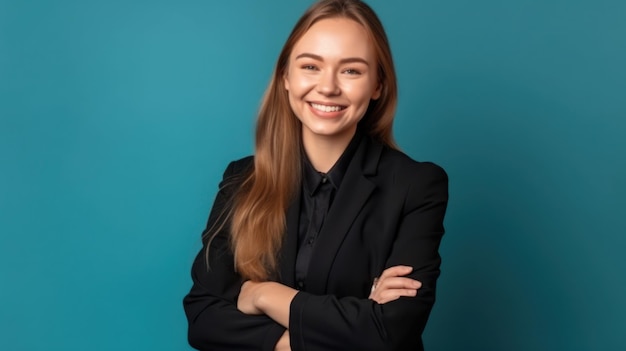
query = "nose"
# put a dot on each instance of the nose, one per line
(327, 85)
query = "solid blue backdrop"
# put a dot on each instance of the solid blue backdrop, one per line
(117, 119)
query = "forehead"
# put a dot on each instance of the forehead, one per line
(336, 38)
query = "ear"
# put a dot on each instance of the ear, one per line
(286, 81)
(377, 92)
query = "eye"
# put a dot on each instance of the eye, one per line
(309, 67)
(352, 71)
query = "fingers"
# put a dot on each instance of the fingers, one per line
(399, 286)
(394, 294)
(396, 271)
(398, 283)
(392, 284)
(382, 296)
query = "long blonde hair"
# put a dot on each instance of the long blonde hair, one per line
(258, 214)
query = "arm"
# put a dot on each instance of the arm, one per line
(274, 299)
(328, 322)
(215, 323)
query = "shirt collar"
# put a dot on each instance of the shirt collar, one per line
(312, 179)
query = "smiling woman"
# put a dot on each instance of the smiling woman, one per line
(327, 238)
(331, 79)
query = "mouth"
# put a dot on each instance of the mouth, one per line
(327, 108)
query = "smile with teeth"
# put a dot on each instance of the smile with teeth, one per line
(327, 108)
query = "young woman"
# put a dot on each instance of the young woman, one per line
(326, 239)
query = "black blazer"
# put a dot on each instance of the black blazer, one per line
(388, 211)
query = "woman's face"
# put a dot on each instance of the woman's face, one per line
(331, 78)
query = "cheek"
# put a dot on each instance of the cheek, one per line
(300, 85)
(359, 93)
(295, 103)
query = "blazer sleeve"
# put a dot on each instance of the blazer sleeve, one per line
(327, 322)
(214, 321)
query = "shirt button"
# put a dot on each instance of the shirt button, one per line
(300, 284)
(311, 241)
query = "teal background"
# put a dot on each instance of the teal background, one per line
(117, 119)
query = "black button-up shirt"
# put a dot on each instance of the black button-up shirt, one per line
(318, 192)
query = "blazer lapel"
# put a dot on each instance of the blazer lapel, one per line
(353, 193)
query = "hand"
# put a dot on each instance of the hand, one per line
(248, 296)
(392, 284)
(269, 298)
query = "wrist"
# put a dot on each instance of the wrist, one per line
(260, 296)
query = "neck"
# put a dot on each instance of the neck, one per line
(324, 151)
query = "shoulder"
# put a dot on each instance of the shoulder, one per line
(236, 172)
(418, 182)
(238, 167)
(405, 169)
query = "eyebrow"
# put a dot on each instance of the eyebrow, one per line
(344, 60)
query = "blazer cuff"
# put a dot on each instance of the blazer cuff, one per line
(296, 309)
(271, 338)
